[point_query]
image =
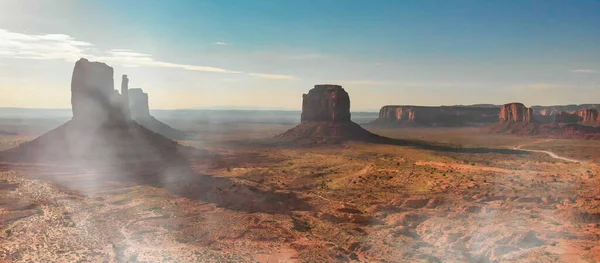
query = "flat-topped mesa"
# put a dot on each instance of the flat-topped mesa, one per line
(436, 116)
(588, 116)
(326, 103)
(138, 104)
(564, 117)
(93, 95)
(516, 112)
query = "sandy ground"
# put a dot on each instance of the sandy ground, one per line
(354, 202)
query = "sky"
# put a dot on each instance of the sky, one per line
(267, 53)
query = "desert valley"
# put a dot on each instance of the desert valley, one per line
(480, 183)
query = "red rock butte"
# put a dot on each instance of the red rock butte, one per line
(516, 112)
(101, 131)
(326, 102)
(326, 117)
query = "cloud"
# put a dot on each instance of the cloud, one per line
(222, 43)
(64, 47)
(49, 46)
(585, 71)
(271, 76)
(129, 58)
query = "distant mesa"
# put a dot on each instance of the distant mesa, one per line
(562, 117)
(557, 109)
(101, 131)
(326, 117)
(442, 116)
(140, 112)
(588, 116)
(516, 112)
(516, 118)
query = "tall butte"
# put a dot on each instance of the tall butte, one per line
(94, 99)
(101, 132)
(326, 117)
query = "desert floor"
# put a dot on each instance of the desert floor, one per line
(254, 200)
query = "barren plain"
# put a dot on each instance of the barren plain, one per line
(458, 195)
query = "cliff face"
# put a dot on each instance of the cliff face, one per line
(565, 117)
(138, 104)
(140, 112)
(93, 97)
(437, 116)
(515, 112)
(588, 116)
(326, 103)
(557, 109)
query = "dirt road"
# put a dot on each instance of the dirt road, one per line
(553, 155)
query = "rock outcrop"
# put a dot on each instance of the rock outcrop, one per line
(100, 134)
(445, 116)
(140, 112)
(326, 103)
(326, 118)
(588, 116)
(557, 109)
(564, 117)
(93, 97)
(515, 118)
(516, 112)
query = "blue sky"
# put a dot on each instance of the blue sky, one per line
(267, 53)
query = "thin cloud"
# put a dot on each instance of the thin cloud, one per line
(65, 47)
(132, 59)
(222, 43)
(49, 46)
(585, 71)
(271, 76)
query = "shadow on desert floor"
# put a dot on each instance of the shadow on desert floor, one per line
(178, 180)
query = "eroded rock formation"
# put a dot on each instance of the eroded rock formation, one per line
(326, 118)
(93, 97)
(138, 104)
(100, 134)
(140, 112)
(564, 117)
(326, 103)
(515, 118)
(556, 109)
(516, 112)
(588, 116)
(451, 116)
